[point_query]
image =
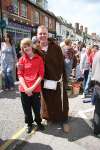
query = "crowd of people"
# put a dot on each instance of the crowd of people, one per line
(44, 70)
(85, 60)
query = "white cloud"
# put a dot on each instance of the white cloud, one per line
(86, 12)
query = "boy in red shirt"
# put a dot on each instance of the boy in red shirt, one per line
(30, 74)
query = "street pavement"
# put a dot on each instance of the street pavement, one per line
(13, 134)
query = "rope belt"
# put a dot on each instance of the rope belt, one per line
(61, 88)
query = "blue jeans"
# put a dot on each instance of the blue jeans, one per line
(86, 73)
(87, 85)
(68, 68)
(8, 77)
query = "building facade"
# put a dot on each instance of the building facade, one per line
(23, 17)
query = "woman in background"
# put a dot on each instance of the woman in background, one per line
(8, 60)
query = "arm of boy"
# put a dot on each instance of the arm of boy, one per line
(31, 89)
(22, 82)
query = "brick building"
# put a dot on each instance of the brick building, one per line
(24, 16)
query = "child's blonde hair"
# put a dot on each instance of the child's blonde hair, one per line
(26, 41)
(35, 47)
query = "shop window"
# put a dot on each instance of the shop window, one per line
(15, 6)
(24, 8)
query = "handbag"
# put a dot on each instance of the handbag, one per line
(50, 84)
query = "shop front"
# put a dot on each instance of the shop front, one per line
(18, 31)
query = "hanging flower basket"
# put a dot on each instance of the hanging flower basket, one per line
(76, 88)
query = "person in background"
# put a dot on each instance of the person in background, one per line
(30, 74)
(78, 75)
(84, 67)
(55, 106)
(94, 50)
(34, 39)
(91, 53)
(80, 45)
(75, 48)
(96, 78)
(68, 53)
(8, 61)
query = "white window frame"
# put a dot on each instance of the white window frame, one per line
(46, 21)
(24, 9)
(15, 4)
(36, 17)
(50, 23)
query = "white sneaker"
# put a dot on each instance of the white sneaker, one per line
(83, 95)
(44, 122)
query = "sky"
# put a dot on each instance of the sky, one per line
(86, 12)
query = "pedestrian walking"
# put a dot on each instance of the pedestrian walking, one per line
(30, 74)
(55, 105)
(84, 67)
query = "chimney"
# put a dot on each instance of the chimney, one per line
(86, 30)
(81, 28)
(77, 27)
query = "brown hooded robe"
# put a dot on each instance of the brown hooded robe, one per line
(53, 108)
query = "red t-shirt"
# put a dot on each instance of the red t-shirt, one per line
(91, 57)
(30, 70)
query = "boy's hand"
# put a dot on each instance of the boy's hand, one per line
(28, 91)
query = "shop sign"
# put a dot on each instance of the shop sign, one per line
(19, 26)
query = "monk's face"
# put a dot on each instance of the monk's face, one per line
(42, 35)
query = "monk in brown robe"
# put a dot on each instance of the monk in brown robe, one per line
(54, 104)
